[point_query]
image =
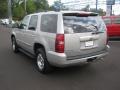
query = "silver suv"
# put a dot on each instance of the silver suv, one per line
(61, 38)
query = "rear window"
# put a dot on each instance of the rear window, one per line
(76, 24)
(116, 20)
(107, 21)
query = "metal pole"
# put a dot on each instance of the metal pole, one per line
(111, 10)
(60, 4)
(9, 12)
(25, 7)
(96, 5)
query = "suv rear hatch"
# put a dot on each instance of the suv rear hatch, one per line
(85, 35)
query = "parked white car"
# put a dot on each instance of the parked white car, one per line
(6, 21)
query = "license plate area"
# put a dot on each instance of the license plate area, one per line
(89, 43)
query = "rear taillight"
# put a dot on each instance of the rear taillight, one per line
(59, 43)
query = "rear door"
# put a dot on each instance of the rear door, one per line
(48, 28)
(84, 35)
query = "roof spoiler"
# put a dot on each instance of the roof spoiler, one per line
(80, 14)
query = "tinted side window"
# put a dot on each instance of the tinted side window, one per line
(33, 22)
(49, 23)
(107, 21)
(116, 20)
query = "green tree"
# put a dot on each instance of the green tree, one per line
(31, 7)
(19, 8)
(18, 12)
(3, 9)
(41, 5)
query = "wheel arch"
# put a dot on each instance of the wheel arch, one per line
(12, 35)
(38, 45)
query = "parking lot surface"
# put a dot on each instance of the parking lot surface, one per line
(18, 71)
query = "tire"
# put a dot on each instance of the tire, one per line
(14, 45)
(42, 63)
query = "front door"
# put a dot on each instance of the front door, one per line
(20, 33)
(30, 33)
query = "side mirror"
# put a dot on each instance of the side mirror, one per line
(16, 25)
(22, 26)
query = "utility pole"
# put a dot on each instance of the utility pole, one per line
(96, 5)
(109, 7)
(25, 6)
(9, 12)
(60, 4)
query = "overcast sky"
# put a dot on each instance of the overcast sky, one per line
(115, 7)
(50, 2)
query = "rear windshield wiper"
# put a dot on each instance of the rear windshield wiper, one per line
(97, 32)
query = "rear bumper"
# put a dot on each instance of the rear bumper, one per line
(60, 59)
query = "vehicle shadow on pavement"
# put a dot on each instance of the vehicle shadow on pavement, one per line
(72, 70)
(85, 69)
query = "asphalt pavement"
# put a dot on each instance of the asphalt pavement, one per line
(18, 71)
